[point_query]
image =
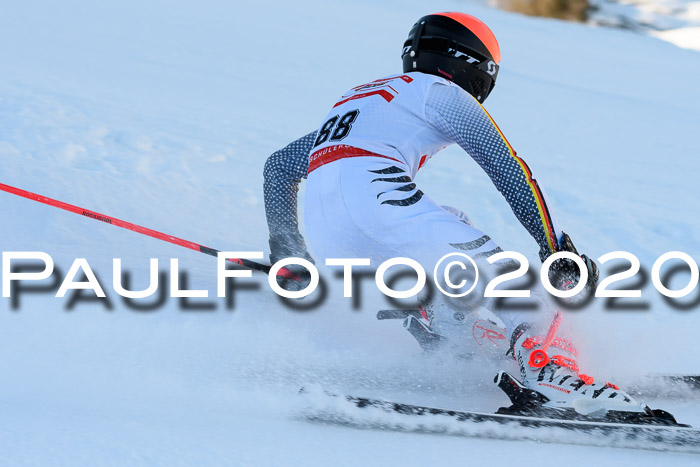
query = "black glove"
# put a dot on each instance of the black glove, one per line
(564, 273)
(287, 246)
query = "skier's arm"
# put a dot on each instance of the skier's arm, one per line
(283, 172)
(463, 120)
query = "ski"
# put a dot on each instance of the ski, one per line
(691, 382)
(429, 420)
(679, 387)
(527, 420)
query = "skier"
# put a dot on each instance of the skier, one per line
(362, 201)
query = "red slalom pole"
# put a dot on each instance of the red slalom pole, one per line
(142, 230)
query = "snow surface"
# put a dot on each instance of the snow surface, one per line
(163, 113)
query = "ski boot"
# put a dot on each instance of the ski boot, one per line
(479, 330)
(548, 366)
(552, 386)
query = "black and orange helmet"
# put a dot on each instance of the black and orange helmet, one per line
(456, 46)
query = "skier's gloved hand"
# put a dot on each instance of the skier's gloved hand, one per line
(564, 273)
(289, 246)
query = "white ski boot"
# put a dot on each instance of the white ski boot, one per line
(469, 333)
(548, 366)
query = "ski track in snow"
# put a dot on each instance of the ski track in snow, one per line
(163, 114)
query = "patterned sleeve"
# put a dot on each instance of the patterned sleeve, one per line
(463, 120)
(283, 172)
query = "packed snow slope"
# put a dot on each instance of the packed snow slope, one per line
(162, 113)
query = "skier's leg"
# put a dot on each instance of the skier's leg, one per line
(510, 318)
(369, 208)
